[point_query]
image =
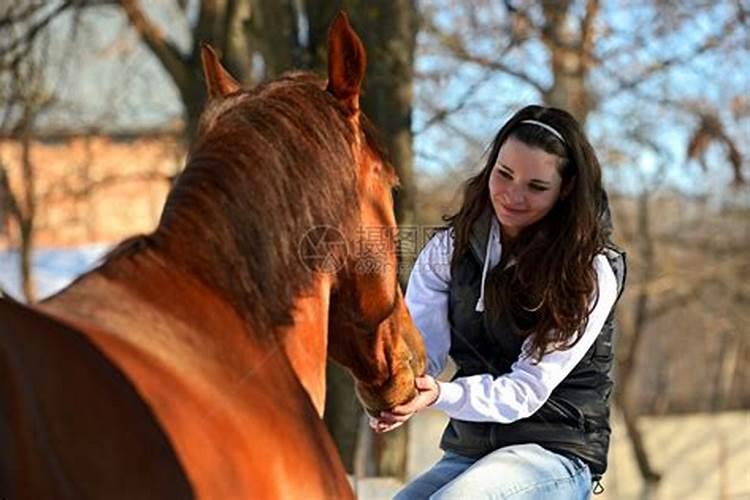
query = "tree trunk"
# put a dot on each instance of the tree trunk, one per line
(194, 100)
(570, 56)
(728, 360)
(648, 474)
(25, 253)
(626, 363)
(272, 32)
(27, 214)
(388, 30)
(319, 14)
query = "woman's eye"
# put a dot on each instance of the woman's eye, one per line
(505, 174)
(538, 188)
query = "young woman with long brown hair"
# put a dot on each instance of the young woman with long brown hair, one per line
(519, 291)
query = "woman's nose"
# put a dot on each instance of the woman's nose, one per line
(514, 195)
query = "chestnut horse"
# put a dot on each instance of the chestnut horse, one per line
(191, 362)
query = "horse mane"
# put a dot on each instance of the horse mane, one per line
(267, 166)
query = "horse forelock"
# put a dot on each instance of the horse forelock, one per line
(267, 166)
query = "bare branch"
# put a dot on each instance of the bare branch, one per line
(443, 113)
(11, 17)
(587, 34)
(662, 65)
(682, 298)
(19, 46)
(711, 130)
(8, 203)
(167, 53)
(743, 13)
(457, 49)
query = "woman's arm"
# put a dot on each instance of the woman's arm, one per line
(427, 298)
(522, 391)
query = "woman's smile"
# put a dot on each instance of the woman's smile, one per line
(511, 210)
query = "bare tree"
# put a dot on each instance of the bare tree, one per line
(31, 89)
(26, 96)
(631, 340)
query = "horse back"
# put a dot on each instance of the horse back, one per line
(71, 423)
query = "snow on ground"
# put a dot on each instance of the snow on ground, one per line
(53, 268)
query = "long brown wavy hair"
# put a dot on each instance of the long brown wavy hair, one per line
(553, 278)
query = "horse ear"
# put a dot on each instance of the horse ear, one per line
(347, 61)
(219, 83)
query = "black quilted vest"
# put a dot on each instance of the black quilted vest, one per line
(575, 419)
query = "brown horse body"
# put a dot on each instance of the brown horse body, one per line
(223, 400)
(165, 374)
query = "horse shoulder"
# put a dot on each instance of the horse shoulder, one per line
(72, 424)
(230, 405)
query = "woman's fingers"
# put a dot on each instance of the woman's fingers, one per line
(406, 409)
(380, 425)
(422, 400)
(389, 420)
(424, 383)
(387, 427)
(390, 417)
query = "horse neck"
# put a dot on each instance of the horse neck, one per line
(306, 341)
(238, 250)
(169, 314)
(251, 259)
(160, 309)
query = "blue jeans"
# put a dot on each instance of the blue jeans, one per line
(521, 472)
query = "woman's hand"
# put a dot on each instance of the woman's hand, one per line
(428, 392)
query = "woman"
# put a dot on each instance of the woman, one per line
(519, 291)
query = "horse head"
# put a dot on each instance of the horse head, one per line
(369, 330)
(372, 333)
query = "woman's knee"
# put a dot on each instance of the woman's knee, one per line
(525, 472)
(445, 470)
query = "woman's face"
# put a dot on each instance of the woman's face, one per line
(524, 185)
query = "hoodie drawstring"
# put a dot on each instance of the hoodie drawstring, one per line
(485, 269)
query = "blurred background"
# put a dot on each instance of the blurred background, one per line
(99, 99)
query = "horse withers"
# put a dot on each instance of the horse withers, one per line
(191, 362)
